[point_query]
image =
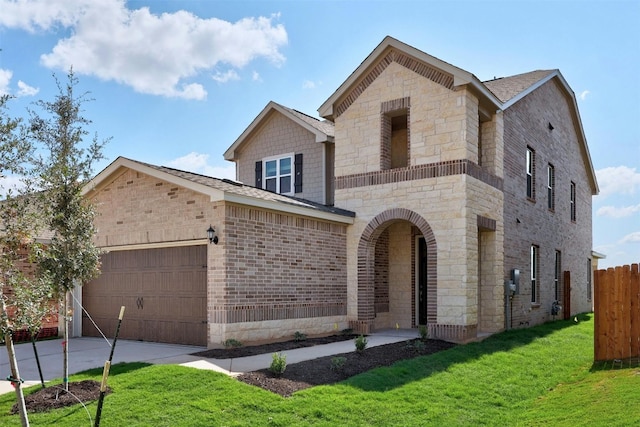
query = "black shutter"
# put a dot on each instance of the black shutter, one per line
(259, 174)
(298, 181)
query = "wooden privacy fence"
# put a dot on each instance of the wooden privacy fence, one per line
(617, 313)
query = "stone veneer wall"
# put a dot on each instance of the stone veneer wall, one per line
(280, 273)
(443, 187)
(530, 222)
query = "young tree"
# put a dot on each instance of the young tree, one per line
(15, 242)
(71, 258)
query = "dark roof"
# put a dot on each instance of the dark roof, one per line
(233, 187)
(324, 126)
(505, 88)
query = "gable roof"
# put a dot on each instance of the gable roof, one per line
(512, 89)
(323, 130)
(418, 61)
(218, 190)
(506, 88)
(493, 95)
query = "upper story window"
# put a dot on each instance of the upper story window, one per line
(551, 184)
(277, 175)
(572, 201)
(535, 291)
(531, 173)
(280, 174)
(394, 145)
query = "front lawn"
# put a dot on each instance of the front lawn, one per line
(537, 376)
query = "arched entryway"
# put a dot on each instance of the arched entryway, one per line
(409, 245)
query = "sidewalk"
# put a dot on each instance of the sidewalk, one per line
(87, 353)
(263, 361)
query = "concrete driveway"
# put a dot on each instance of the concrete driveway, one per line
(86, 353)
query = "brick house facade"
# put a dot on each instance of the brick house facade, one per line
(411, 203)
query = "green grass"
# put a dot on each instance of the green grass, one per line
(534, 377)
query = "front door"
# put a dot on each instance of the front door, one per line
(421, 278)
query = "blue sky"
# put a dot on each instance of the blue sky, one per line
(176, 82)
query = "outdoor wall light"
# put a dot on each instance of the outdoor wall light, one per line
(211, 234)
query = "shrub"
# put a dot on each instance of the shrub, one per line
(361, 343)
(232, 343)
(278, 364)
(299, 336)
(424, 332)
(419, 346)
(347, 331)
(337, 363)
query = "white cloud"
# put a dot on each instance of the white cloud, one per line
(225, 77)
(5, 78)
(618, 180)
(631, 238)
(32, 15)
(583, 95)
(310, 84)
(26, 90)
(614, 212)
(255, 76)
(154, 54)
(199, 163)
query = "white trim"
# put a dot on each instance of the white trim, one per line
(215, 195)
(292, 209)
(292, 174)
(123, 162)
(156, 245)
(320, 136)
(530, 89)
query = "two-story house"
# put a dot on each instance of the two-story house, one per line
(415, 200)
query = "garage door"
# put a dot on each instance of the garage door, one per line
(164, 291)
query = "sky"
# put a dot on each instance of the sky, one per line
(175, 83)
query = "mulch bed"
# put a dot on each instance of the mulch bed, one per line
(297, 376)
(54, 396)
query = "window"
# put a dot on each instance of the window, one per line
(280, 174)
(573, 201)
(394, 144)
(399, 141)
(531, 173)
(551, 192)
(589, 269)
(277, 175)
(535, 298)
(557, 275)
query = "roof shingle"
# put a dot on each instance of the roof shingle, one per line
(505, 88)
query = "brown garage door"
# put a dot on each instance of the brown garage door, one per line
(164, 292)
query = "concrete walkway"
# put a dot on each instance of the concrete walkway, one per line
(87, 353)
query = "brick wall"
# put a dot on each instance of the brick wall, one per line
(279, 270)
(279, 135)
(139, 209)
(530, 222)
